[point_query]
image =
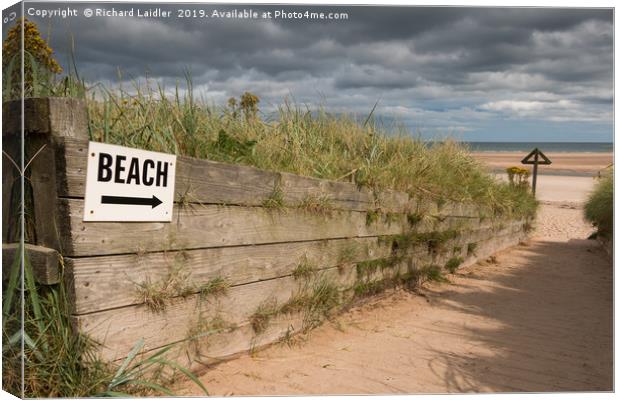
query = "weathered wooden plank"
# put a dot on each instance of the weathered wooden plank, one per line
(11, 187)
(204, 181)
(46, 120)
(210, 182)
(201, 352)
(111, 281)
(51, 116)
(104, 282)
(44, 262)
(43, 205)
(119, 328)
(489, 246)
(222, 346)
(340, 195)
(210, 349)
(36, 116)
(202, 226)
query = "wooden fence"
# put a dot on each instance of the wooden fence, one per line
(230, 272)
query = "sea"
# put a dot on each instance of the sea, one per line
(551, 147)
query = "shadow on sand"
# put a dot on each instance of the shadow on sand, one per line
(551, 307)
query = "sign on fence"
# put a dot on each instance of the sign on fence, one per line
(130, 185)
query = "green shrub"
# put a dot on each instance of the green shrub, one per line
(453, 264)
(599, 208)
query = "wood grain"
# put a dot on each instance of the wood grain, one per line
(202, 226)
(106, 282)
(44, 262)
(51, 116)
(210, 182)
(111, 281)
(201, 352)
(118, 329)
(11, 188)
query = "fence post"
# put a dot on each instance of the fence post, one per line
(47, 122)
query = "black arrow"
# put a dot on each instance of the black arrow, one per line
(134, 201)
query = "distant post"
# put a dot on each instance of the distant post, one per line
(535, 157)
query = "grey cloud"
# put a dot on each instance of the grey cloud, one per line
(432, 60)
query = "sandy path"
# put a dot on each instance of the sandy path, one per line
(537, 318)
(558, 188)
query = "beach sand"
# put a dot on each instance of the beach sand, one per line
(576, 164)
(569, 179)
(568, 190)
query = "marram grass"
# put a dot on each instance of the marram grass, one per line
(296, 139)
(299, 140)
(599, 208)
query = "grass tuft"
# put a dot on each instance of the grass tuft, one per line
(391, 217)
(317, 305)
(315, 301)
(372, 216)
(61, 362)
(413, 219)
(369, 267)
(205, 327)
(317, 204)
(304, 270)
(433, 273)
(275, 200)
(433, 239)
(157, 294)
(599, 209)
(265, 311)
(215, 287)
(471, 248)
(369, 288)
(453, 264)
(347, 253)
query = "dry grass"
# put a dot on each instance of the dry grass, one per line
(155, 294)
(317, 204)
(599, 208)
(217, 286)
(310, 142)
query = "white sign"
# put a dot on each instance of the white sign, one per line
(125, 184)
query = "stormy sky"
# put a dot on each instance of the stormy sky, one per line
(481, 74)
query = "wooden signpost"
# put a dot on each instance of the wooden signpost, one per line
(535, 157)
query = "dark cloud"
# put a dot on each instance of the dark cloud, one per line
(445, 66)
